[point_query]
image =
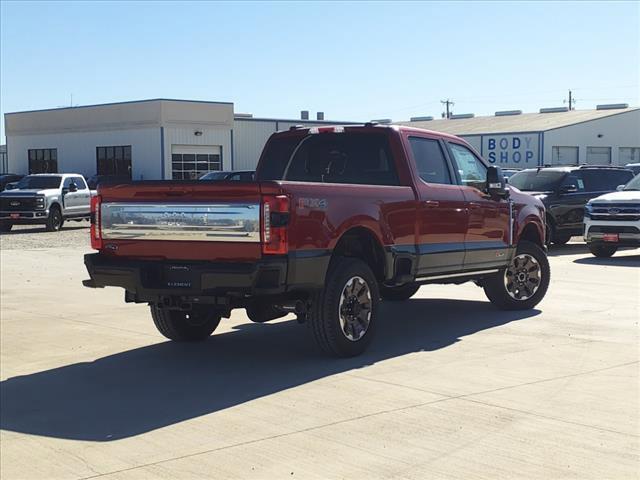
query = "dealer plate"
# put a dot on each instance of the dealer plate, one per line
(179, 276)
(610, 237)
(15, 215)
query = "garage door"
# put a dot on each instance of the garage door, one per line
(598, 155)
(190, 162)
(564, 155)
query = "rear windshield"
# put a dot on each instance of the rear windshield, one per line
(39, 182)
(536, 180)
(348, 157)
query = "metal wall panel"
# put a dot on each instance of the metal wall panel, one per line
(249, 137)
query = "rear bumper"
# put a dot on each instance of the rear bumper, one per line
(148, 280)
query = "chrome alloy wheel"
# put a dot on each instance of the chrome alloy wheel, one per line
(354, 309)
(522, 277)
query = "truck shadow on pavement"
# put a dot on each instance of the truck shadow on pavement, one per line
(139, 390)
(625, 261)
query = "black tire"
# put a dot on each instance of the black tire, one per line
(332, 334)
(602, 251)
(499, 289)
(399, 294)
(561, 238)
(55, 220)
(191, 326)
(5, 227)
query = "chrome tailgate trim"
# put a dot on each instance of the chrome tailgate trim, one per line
(232, 222)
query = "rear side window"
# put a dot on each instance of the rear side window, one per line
(430, 162)
(348, 157)
(605, 180)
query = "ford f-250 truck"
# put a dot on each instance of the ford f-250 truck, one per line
(45, 198)
(337, 219)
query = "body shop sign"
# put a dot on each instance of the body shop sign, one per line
(511, 150)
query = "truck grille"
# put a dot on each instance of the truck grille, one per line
(16, 204)
(615, 211)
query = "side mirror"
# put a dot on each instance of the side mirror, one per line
(568, 189)
(619, 188)
(496, 185)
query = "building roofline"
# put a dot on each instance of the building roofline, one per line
(628, 110)
(122, 103)
(297, 121)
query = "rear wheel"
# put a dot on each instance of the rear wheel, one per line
(196, 324)
(602, 251)
(398, 294)
(55, 220)
(343, 315)
(5, 227)
(523, 284)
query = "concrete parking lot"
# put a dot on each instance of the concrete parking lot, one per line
(450, 388)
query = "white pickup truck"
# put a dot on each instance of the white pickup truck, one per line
(613, 220)
(47, 199)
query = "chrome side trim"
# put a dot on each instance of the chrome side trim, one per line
(463, 274)
(232, 222)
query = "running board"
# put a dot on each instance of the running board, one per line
(454, 275)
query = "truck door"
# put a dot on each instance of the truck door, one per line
(486, 240)
(442, 213)
(83, 197)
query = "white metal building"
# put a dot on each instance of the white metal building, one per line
(555, 136)
(164, 139)
(147, 140)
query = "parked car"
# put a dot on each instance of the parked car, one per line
(565, 191)
(613, 220)
(337, 218)
(236, 175)
(634, 167)
(94, 180)
(7, 178)
(508, 172)
(47, 199)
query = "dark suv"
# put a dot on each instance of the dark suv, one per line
(566, 190)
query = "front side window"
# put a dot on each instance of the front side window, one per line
(429, 159)
(472, 171)
(43, 160)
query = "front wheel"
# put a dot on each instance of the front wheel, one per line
(523, 284)
(55, 220)
(400, 293)
(185, 326)
(343, 316)
(602, 251)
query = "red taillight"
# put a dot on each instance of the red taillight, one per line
(96, 230)
(275, 218)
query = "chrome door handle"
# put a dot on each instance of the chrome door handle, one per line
(474, 205)
(431, 203)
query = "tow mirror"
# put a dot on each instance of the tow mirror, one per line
(73, 187)
(496, 185)
(568, 189)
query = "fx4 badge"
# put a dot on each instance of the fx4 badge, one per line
(316, 203)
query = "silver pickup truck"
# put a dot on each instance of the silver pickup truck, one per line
(47, 199)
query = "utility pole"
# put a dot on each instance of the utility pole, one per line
(570, 101)
(447, 102)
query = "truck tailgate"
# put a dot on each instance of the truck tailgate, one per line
(183, 220)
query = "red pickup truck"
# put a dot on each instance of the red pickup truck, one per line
(337, 219)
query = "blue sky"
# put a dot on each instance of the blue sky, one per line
(354, 61)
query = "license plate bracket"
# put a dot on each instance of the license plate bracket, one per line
(180, 276)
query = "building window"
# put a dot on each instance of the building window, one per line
(191, 166)
(564, 155)
(628, 155)
(598, 155)
(43, 160)
(114, 160)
